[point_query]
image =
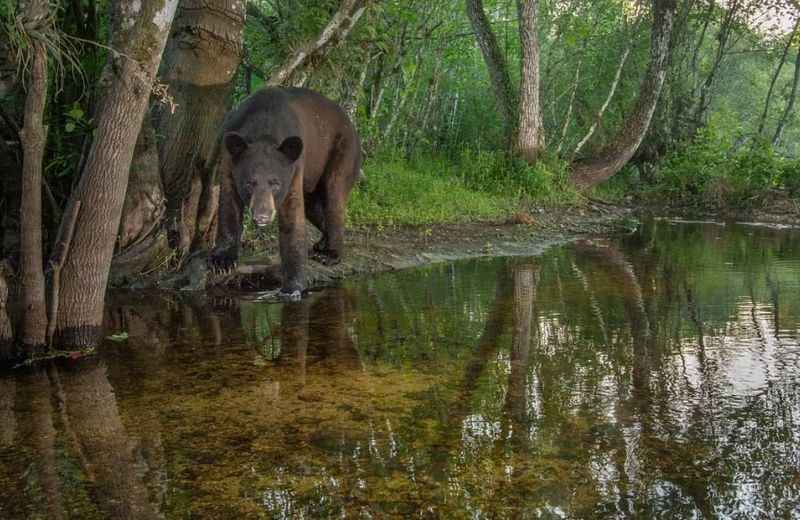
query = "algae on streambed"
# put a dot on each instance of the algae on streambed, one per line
(652, 374)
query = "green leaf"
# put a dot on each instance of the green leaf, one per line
(119, 338)
(76, 113)
(69, 127)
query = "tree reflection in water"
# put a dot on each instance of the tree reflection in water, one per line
(651, 375)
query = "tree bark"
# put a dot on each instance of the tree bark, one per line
(337, 30)
(775, 75)
(200, 62)
(6, 330)
(141, 239)
(138, 34)
(496, 64)
(614, 156)
(33, 136)
(776, 139)
(530, 135)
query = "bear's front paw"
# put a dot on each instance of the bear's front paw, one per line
(222, 260)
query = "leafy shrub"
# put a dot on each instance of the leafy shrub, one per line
(710, 169)
(689, 171)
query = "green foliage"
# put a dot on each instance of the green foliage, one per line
(711, 170)
(480, 185)
(499, 172)
(690, 170)
(426, 192)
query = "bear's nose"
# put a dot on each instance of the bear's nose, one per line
(264, 219)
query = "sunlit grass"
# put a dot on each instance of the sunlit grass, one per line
(395, 193)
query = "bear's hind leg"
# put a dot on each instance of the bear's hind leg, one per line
(315, 212)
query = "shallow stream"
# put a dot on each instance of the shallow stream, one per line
(650, 375)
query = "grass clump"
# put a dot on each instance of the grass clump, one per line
(546, 182)
(397, 192)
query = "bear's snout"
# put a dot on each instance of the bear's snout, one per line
(262, 207)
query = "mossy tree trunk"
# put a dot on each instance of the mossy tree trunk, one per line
(138, 34)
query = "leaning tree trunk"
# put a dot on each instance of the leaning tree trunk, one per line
(200, 62)
(33, 135)
(337, 30)
(789, 40)
(138, 34)
(613, 157)
(599, 116)
(496, 63)
(530, 135)
(776, 139)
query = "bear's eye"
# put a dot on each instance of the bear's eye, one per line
(274, 183)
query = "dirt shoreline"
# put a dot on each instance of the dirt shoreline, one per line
(371, 250)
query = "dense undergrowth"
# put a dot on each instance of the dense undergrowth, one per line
(713, 173)
(477, 185)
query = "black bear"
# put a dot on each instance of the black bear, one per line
(293, 153)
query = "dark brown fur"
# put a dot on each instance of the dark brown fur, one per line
(261, 162)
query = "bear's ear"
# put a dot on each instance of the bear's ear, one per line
(292, 147)
(235, 144)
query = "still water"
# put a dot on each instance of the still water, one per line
(651, 375)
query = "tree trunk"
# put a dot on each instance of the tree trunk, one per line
(530, 136)
(352, 91)
(138, 33)
(496, 63)
(404, 91)
(570, 107)
(6, 331)
(141, 240)
(33, 136)
(775, 76)
(337, 30)
(613, 157)
(200, 62)
(599, 116)
(704, 99)
(776, 139)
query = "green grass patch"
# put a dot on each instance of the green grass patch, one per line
(395, 192)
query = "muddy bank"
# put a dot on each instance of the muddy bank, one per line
(372, 250)
(771, 207)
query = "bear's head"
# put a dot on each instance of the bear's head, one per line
(263, 171)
